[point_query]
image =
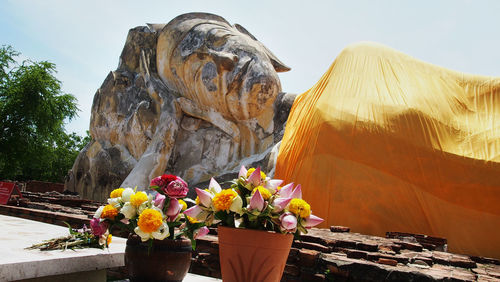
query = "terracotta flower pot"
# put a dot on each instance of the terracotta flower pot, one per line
(252, 255)
(168, 260)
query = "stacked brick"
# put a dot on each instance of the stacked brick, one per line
(337, 255)
(47, 216)
(40, 186)
(52, 207)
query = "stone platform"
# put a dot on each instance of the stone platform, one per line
(17, 263)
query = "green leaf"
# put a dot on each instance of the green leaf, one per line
(71, 231)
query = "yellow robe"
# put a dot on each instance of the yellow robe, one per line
(385, 142)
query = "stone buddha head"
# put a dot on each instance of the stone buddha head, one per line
(218, 66)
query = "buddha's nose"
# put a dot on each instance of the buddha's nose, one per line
(224, 60)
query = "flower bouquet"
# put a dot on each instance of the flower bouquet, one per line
(155, 251)
(254, 201)
(150, 216)
(77, 239)
(255, 217)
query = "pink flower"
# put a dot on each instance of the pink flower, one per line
(288, 222)
(157, 181)
(280, 203)
(311, 221)
(159, 201)
(193, 211)
(243, 172)
(214, 186)
(286, 191)
(98, 227)
(204, 197)
(255, 177)
(272, 185)
(297, 193)
(177, 188)
(201, 232)
(174, 208)
(256, 202)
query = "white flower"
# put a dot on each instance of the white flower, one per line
(237, 205)
(103, 239)
(160, 234)
(143, 206)
(98, 212)
(128, 210)
(126, 194)
(115, 202)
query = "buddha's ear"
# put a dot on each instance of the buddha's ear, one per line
(278, 65)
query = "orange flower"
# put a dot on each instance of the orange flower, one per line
(109, 212)
(224, 199)
(150, 220)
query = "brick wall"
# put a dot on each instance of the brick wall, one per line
(40, 186)
(57, 218)
(325, 255)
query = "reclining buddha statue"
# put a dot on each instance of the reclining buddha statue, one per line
(385, 142)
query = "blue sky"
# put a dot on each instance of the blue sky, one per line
(85, 38)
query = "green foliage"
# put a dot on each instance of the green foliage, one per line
(33, 110)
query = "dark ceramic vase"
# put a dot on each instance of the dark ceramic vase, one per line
(167, 260)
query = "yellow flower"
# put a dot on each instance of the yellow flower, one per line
(192, 220)
(109, 212)
(183, 204)
(299, 207)
(138, 198)
(262, 174)
(116, 193)
(150, 220)
(224, 199)
(109, 239)
(263, 191)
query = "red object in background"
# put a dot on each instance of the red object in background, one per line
(7, 189)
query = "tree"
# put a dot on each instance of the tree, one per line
(33, 110)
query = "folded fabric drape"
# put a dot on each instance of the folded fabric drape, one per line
(385, 142)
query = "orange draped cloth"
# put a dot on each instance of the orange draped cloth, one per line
(385, 142)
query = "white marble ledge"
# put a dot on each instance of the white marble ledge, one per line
(190, 277)
(17, 263)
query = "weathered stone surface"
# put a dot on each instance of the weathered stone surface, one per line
(339, 229)
(196, 97)
(387, 261)
(308, 258)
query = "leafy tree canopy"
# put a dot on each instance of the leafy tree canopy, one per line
(33, 111)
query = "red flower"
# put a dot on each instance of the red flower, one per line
(168, 178)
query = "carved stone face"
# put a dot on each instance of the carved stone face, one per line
(218, 66)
